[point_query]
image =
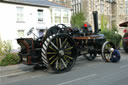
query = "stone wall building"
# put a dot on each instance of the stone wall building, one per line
(66, 3)
(113, 11)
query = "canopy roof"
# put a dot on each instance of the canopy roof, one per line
(124, 24)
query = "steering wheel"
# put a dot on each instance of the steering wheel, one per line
(30, 31)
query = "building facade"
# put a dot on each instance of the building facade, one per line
(16, 18)
(113, 11)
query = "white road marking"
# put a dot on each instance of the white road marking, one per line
(36, 76)
(14, 74)
(124, 66)
(11, 81)
(77, 79)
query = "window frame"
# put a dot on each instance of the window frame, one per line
(57, 16)
(20, 14)
(65, 16)
(40, 13)
(20, 34)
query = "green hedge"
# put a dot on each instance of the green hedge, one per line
(10, 59)
(112, 36)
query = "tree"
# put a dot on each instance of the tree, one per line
(104, 22)
(77, 20)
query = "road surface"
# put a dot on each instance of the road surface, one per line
(95, 72)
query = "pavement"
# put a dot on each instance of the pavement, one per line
(17, 67)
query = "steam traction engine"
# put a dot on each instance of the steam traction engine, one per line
(59, 47)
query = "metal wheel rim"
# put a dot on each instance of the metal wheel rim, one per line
(106, 54)
(61, 53)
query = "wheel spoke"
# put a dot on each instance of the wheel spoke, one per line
(64, 42)
(52, 48)
(106, 51)
(51, 52)
(57, 64)
(66, 45)
(66, 60)
(68, 52)
(51, 57)
(69, 48)
(54, 45)
(53, 60)
(64, 63)
(68, 57)
(60, 64)
(108, 46)
(60, 42)
(107, 55)
(57, 42)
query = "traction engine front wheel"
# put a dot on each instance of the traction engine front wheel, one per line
(59, 52)
(106, 53)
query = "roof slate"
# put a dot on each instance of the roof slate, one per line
(37, 2)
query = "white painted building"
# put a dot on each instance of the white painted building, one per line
(18, 16)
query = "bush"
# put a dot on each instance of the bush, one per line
(1, 47)
(112, 37)
(7, 58)
(5, 47)
(77, 20)
(10, 59)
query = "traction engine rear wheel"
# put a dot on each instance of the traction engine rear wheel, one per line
(59, 52)
(106, 53)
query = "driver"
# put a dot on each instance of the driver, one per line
(41, 33)
(85, 29)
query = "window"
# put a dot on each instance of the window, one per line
(126, 6)
(76, 5)
(65, 17)
(20, 15)
(96, 7)
(57, 16)
(121, 10)
(108, 11)
(101, 8)
(20, 33)
(57, 1)
(80, 6)
(40, 15)
(127, 11)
